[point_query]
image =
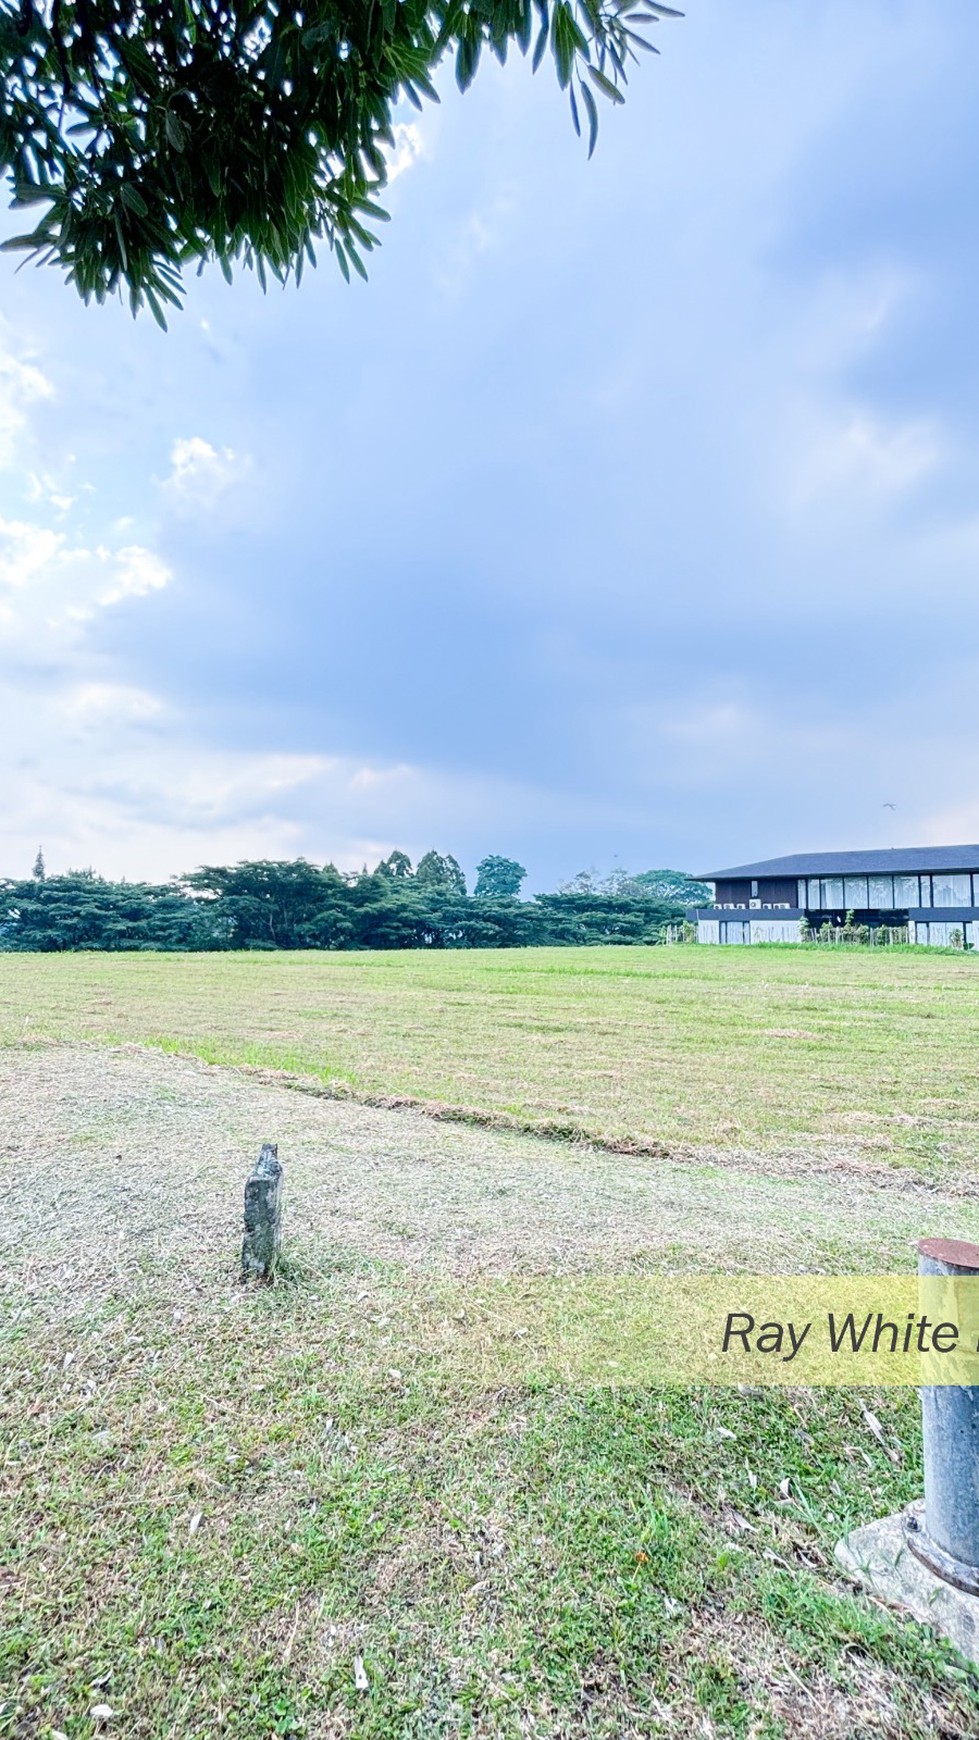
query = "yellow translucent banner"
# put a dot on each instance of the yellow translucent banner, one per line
(803, 1330)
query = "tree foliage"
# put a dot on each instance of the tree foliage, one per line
(267, 904)
(672, 887)
(81, 911)
(162, 133)
(499, 878)
(440, 873)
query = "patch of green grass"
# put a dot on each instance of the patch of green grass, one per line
(207, 1528)
(220, 1517)
(867, 1051)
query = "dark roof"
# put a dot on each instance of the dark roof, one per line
(873, 863)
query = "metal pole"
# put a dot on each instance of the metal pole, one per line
(944, 1532)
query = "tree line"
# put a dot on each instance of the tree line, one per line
(266, 904)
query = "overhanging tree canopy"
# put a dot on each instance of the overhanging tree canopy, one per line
(157, 133)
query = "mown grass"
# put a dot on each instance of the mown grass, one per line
(872, 1051)
(212, 1518)
(223, 1510)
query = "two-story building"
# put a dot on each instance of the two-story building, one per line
(931, 890)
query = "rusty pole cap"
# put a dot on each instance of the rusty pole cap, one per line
(955, 1251)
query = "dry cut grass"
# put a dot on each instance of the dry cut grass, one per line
(860, 1056)
(250, 1513)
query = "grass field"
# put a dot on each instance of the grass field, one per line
(857, 1052)
(255, 1514)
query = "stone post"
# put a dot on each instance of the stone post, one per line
(263, 1216)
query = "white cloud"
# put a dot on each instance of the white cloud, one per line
(52, 589)
(408, 147)
(93, 704)
(215, 786)
(369, 778)
(26, 551)
(53, 581)
(862, 453)
(43, 488)
(476, 236)
(200, 473)
(135, 573)
(22, 384)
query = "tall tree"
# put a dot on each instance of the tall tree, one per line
(498, 878)
(81, 911)
(39, 871)
(396, 865)
(270, 904)
(158, 134)
(440, 872)
(675, 887)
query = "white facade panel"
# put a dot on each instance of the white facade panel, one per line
(708, 930)
(775, 930)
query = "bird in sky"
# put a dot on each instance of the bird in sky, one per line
(888, 806)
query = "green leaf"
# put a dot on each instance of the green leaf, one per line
(176, 132)
(120, 238)
(591, 110)
(605, 85)
(132, 198)
(540, 46)
(155, 309)
(159, 137)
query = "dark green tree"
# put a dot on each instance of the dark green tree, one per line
(600, 918)
(39, 871)
(81, 911)
(272, 905)
(675, 887)
(397, 865)
(438, 873)
(498, 878)
(298, 905)
(158, 134)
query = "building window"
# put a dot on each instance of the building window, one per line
(949, 890)
(855, 889)
(814, 898)
(880, 893)
(833, 893)
(906, 892)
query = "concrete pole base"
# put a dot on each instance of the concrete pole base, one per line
(878, 1556)
(944, 1564)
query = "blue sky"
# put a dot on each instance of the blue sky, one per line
(629, 515)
